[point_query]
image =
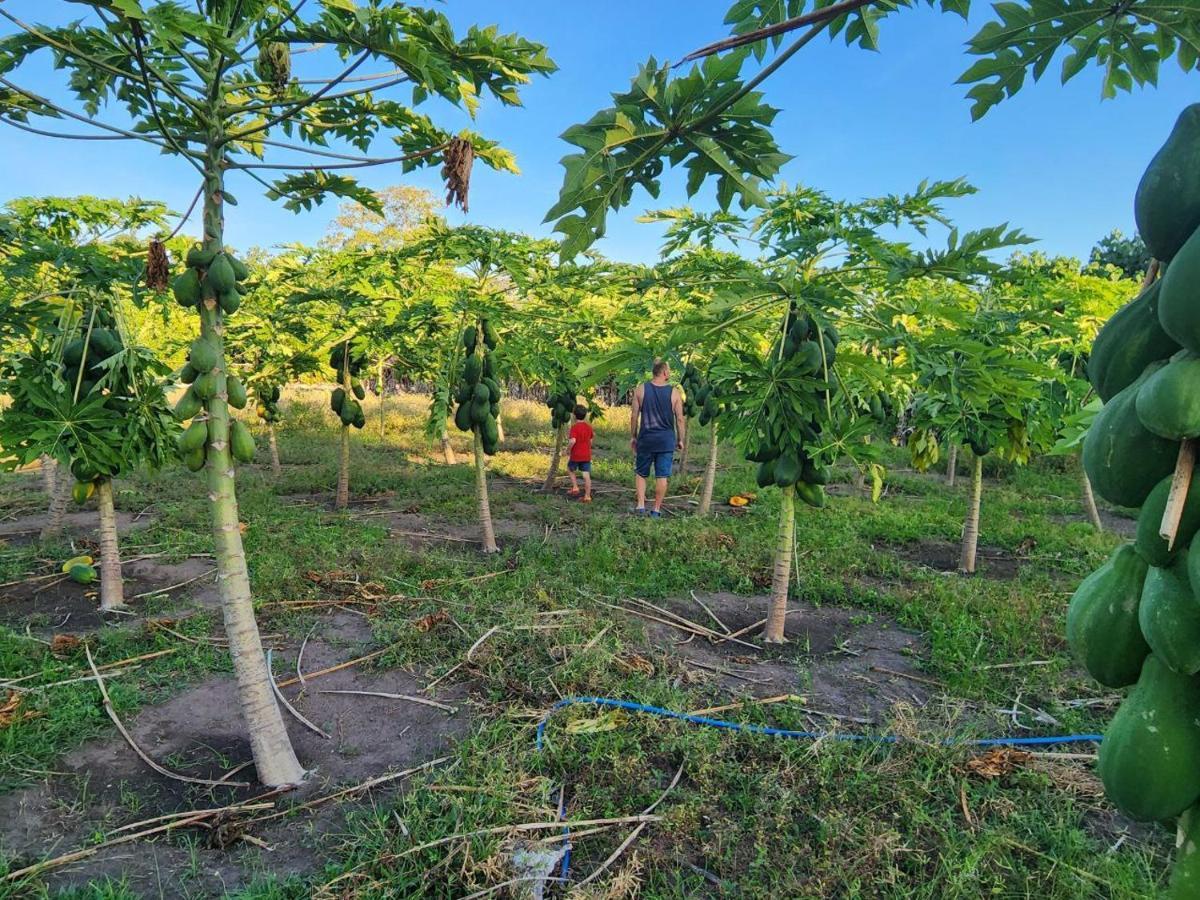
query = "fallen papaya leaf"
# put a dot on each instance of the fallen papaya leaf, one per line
(425, 623)
(634, 662)
(64, 644)
(998, 762)
(609, 720)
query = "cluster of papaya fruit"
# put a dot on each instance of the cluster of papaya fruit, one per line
(1136, 620)
(348, 407)
(561, 402)
(782, 461)
(699, 396)
(211, 274)
(84, 359)
(202, 374)
(267, 403)
(478, 390)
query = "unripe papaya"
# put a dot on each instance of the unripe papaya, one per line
(73, 353)
(472, 370)
(812, 494)
(1185, 875)
(195, 435)
(481, 393)
(205, 386)
(469, 337)
(787, 470)
(1169, 617)
(1102, 620)
(186, 288)
(808, 357)
(105, 342)
(195, 459)
(488, 366)
(489, 447)
(198, 257)
(462, 417)
(1169, 402)
(1167, 204)
(240, 272)
(464, 394)
(220, 278)
(350, 411)
(1177, 308)
(189, 406)
(1151, 547)
(1129, 341)
(490, 337)
(765, 476)
(1121, 457)
(815, 474)
(230, 301)
(236, 392)
(203, 356)
(82, 574)
(337, 399)
(275, 394)
(1150, 756)
(360, 392)
(241, 442)
(480, 410)
(490, 431)
(493, 387)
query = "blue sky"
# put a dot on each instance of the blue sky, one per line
(1055, 161)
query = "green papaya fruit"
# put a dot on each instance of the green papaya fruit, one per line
(1169, 617)
(82, 490)
(464, 394)
(494, 409)
(195, 435)
(787, 470)
(1102, 620)
(189, 406)
(105, 342)
(1169, 402)
(195, 459)
(360, 421)
(808, 356)
(1121, 457)
(1150, 756)
(490, 337)
(462, 417)
(350, 411)
(490, 430)
(979, 444)
(243, 288)
(203, 356)
(815, 474)
(764, 453)
(765, 477)
(198, 257)
(188, 373)
(489, 447)
(1153, 548)
(1178, 311)
(472, 370)
(220, 278)
(186, 288)
(235, 391)
(1185, 876)
(800, 329)
(81, 573)
(337, 399)
(360, 392)
(241, 442)
(230, 301)
(240, 272)
(488, 367)
(812, 494)
(469, 337)
(481, 393)
(73, 352)
(1129, 341)
(1167, 204)
(480, 410)
(205, 386)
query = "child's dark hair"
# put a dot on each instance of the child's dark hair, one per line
(580, 412)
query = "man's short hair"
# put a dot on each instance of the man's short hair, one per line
(660, 366)
(580, 412)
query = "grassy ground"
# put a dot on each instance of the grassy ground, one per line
(750, 816)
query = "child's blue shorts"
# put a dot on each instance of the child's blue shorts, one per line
(573, 466)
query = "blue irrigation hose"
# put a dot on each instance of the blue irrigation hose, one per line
(800, 735)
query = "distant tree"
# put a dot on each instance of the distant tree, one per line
(1129, 254)
(404, 210)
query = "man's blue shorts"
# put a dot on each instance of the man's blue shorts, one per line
(573, 466)
(661, 461)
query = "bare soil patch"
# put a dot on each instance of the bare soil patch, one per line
(199, 732)
(944, 556)
(24, 529)
(850, 666)
(57, 605)
(1117, 523)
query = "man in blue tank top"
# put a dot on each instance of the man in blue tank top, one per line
(656, 427)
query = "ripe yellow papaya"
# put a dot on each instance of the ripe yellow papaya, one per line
(1167, 204)
(82, 490)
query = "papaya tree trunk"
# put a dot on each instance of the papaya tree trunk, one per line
(1089, 499)
(276, 468)
(559, 439)
(683, 453)
(710, 473)
(952, 463)
(381, 395)
(342, 500)
(49, 470)
(481, 489)
(970, 540)
(448, 448)
(773, 633)
(58, 508)
(112, 587)
(500, 427)
(274, 759)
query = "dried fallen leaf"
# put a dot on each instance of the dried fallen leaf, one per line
(10, 711)
(998, 762)
(64, 644)
(634, 662)
(425, 623)
(609, 720)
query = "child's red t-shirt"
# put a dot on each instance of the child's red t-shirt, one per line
(581, 450)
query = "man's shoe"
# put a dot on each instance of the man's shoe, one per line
(655, 514)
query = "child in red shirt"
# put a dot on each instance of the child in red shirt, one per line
(579, 458)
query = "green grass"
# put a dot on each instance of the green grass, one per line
(762, 816)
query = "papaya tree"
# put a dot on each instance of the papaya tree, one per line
(210, 86)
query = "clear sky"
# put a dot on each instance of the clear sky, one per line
(1055, 161)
